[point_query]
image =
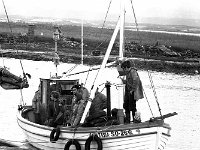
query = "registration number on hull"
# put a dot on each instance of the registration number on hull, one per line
(116, 133)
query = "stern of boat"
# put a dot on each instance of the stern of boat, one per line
(163, 136)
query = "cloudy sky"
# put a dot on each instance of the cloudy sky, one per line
(93, 8)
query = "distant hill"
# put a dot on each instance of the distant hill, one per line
(182, 36)
(171, 21)
(98, 23)
(170, 47)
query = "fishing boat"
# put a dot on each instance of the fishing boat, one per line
(151, 134)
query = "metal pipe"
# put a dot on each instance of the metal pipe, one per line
(107, 85)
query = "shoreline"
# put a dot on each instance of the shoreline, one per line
(190, 67)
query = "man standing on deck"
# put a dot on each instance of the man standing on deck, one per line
(133, 90)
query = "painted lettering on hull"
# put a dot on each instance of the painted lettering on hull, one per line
(117, 133)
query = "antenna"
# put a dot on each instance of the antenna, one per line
(82, 42)
(56, 37)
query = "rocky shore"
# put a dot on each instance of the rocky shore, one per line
(164, 52)
(176, 66)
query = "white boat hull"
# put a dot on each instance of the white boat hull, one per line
(142, 136)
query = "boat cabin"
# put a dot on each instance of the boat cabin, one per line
(63, 87)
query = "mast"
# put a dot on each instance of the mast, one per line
(122, 20)
(93, 90)
(120, 25)
(56, 37)
(82, 42)
(120, 85)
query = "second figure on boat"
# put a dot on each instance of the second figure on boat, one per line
(133, 91)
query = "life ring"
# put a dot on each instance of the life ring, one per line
(72, 142)
(53, 136)
(95, 138)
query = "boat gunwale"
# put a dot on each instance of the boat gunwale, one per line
(105, 138)
(146, 124)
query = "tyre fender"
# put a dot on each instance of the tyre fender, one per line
(95, 138)
(55, 133)
(72, 142)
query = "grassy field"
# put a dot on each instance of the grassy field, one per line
(95, 38)
(97, 35)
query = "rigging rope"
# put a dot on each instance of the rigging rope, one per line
(103, 41)
(13, 38)
(136, 24)
(7, 16)
(88, 34)
(8, 25)
(71, 69)
(100, 43)
(105, 17)
(101, 64)
(149, 74)
(3, 60)
(22, 99)
(24, 74)
(107, 38)
(154, 91)
(104, 25)
(147, 100)
(88, 72)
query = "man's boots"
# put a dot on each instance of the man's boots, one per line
(127, 118)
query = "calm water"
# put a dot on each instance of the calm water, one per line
(176, 93)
